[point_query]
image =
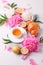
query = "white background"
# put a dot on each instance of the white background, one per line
(8, 58)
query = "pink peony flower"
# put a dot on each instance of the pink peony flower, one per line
(14, 20)
(31, 42)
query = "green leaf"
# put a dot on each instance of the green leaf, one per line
(4, 16)
(7, 41)
(40, 22)
(3, 19)
(0, 20)
(13, 5)
(41, 39)
(35, 18)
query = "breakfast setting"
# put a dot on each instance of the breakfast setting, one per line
(23, 30)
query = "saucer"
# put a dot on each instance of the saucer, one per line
(16, 39)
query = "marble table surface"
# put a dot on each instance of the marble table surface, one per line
(8, 58)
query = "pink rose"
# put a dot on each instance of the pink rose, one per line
(14, 20)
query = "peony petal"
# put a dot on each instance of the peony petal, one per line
(24, 57)
(32, 62)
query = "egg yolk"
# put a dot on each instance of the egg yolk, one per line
(16, 32)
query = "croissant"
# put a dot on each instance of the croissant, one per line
(33, 27)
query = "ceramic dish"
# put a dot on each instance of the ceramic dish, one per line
(14, 38)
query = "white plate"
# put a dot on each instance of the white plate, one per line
(15, 39)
